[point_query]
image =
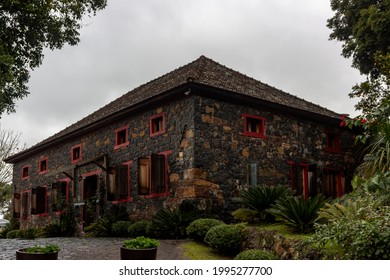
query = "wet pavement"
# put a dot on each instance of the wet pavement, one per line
(89, 248)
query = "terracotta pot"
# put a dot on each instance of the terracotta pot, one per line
(22, 255)
(138, 254)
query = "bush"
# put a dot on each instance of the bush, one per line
(256, 254)
(297, 212)
(257, 200)
(13, 234)
(138, 229)
(172, 223)
(119, 228)
(64, 227)
(224, 239)
(141, 242)
(103, 225)
(29, 233)
(366, 238)
(197, 229)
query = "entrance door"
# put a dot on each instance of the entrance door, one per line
(90, 188)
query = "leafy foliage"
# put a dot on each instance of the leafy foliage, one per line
(198, 229)
(173, 222)
(27, 27)
(256, 254)
(120, 228)
(50, 248)
(297, 212)
(64, 227)
(103, 225)
(139, 228)
(224, 239)
(141, 242)
(257, 200)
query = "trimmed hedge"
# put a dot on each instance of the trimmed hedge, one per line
(198, 229)
(224, 239)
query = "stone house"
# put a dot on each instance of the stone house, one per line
(200, 133)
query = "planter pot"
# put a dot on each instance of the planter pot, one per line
(138, 254)
(22, 255)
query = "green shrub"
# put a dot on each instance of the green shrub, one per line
(224, 239)
(141, 242)
(363, 238)
(103, 225)
(12, 234)
(138, 229)
(256, 254)
(172, 223)
(297, 212)
(197, 229)
(256, 200)
(65, 226)
(50, 248)
(29, 233)
(119, 228)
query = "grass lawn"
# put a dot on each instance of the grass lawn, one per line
(284, 230)
(198, 251)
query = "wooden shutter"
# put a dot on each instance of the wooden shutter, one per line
(41, 200)
(158, 173)
(16, 205)
(144, 176)
(24, 205)
(121, 182)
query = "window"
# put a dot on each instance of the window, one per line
(157, 124)
(153, 175)
(119, 190)
(253, 126)
(59, 196)
(38, 201)
(121, 137)
(252, 174)
(43, 166)
(333, 142)
(16, 205)
(25, 171)
(76, 153)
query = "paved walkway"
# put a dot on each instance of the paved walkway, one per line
(89, 248)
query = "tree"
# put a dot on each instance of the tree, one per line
(9, 144)
(364, 28)
(26, 28)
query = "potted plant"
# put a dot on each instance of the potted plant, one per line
(139, 248)
(37, 252)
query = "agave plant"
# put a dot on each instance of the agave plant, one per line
(256, 200)
(297, 212)
(172, 222)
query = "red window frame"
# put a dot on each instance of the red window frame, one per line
(258, 122)
(333, 142)
(121, 137)
(157, 124)
(66, 181)
(25, 172)
(76, 154)
(43, 165)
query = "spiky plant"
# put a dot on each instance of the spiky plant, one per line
(297, 212)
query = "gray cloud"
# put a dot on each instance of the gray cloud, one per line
(283, 43)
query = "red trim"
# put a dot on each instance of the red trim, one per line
(73, 154)
(42, 169)
(152, 120)
(25, 169)
(119, 142)
(261, 133)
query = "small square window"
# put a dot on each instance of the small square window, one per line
(121, 137)
(43, 166)
(254, 126)
(25, 172)
(76, 153)
(157, 124)
(333, 142)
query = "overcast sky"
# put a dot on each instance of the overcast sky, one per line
(283, 43)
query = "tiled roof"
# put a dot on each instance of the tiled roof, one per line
(203, 71)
